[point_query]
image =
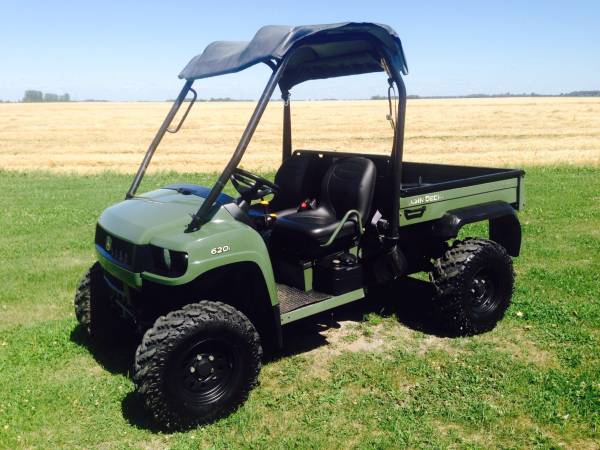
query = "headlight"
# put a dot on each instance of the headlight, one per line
(169, 263)
(167, 259)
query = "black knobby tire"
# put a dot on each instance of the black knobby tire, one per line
(197, 364)
(474, 282)
(93, 310)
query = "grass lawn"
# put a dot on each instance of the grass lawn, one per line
(368, 376)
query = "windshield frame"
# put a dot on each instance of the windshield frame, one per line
(158, 138)
(210, 205)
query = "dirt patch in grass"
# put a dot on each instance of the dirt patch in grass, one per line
(355, 337)
(347, 337)
(350, 337)
(456, 431)
(519, 345)
(429, 343)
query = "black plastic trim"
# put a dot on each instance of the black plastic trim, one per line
(121, 252)
(414, 213)
(506, 231)
(504, 225)
(277, 325)
(115, 261)
(452, 221)
(519, 182)
(239, 214)
(112, 282)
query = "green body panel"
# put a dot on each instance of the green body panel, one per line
(160, 217)
(438, 203)
(162, 212)
(308, 279)
(321, 306)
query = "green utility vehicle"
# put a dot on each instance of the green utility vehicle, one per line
(211, 279)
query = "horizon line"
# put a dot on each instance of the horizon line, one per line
(572, 94)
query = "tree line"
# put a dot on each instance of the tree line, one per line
(32, 96)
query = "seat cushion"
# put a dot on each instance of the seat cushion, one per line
(312, 226)
(347, 185)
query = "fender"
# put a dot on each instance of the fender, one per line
(232, 284)
(239, 284)
(504, 225)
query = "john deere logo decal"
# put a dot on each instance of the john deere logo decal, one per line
(108, 243)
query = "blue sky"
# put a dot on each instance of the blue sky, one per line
(125, 50)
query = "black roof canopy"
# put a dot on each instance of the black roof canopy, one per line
(320, 51)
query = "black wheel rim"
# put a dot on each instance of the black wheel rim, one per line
(483, 294)
(203, 372)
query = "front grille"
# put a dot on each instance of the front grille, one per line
(121, 251)
(138, 258)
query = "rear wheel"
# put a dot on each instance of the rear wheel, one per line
(474, 281)
(92, 307)
(197, 364)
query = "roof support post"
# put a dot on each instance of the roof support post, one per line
(286, 150)
(397, 154)
(156, 141)
(201, 215)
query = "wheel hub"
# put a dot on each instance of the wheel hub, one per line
(203, 371)
(202, 368)
(480, 289)
(483, 298)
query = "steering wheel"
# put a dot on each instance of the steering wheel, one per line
(251, 186)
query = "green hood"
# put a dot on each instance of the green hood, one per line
(149, 215)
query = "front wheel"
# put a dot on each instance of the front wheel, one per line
(197, 364)
(474, 282)
(93, 307)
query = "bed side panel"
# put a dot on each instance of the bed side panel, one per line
(432, 206)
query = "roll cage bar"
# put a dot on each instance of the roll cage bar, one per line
(204, 212)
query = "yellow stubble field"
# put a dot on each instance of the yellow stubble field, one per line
(91, 137)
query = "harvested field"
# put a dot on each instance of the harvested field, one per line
(92, 137)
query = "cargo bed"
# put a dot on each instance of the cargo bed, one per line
(423, 178)
(430, 190)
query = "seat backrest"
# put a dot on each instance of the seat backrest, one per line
(295, 182)
(349, 184)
